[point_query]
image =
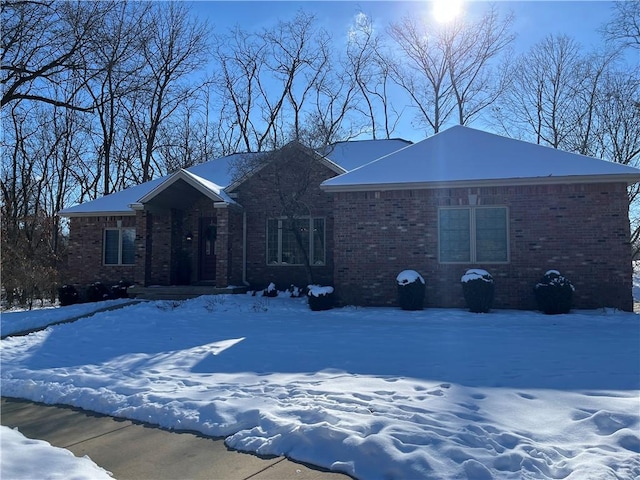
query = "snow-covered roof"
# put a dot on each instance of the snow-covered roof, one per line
(206, 187)
(463, 156)
(217, 175)
(355, 153)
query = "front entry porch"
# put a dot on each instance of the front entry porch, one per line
(190, 236)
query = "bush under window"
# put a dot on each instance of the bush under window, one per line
(478, 290)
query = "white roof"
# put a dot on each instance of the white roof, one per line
(355, 153)
(463, 156)
(215, 175)
(210, 189)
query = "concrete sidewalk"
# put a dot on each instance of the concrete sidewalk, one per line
(133, 450)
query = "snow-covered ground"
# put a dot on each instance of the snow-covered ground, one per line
(27, 459)
(16, 320)
(373, 392)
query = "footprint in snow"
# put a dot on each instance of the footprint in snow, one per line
(526, 396)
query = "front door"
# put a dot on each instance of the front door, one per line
(206, 250)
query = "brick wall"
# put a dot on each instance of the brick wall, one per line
(85, 262)
(259, 195)
(580, 229)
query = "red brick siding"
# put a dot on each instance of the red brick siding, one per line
(85, 262)
(260, 201)
(580, 229)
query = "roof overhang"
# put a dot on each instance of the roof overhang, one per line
(122, 213)
(502, 182)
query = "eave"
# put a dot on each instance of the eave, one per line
(628, 179)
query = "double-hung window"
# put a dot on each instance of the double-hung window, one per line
(292, 241)
(119, 246)
(473, 234)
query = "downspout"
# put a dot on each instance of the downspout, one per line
(244, 248)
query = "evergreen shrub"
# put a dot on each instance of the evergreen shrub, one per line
(320, 298)
(411, 290)
(68, 295)
(554, 293)
(270, 291)
(97, 292)
(478, 290)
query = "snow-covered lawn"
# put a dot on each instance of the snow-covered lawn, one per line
(14, 321)
(375, 392)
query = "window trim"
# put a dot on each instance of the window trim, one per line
(120, 231)
(311, 251)
(473, 254)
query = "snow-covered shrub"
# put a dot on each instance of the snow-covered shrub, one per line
(554, 293)
(68, 295)
(320, 298)
(411, 289)
(295, 292)
(478, 289)
(97, 292)
(270, 291)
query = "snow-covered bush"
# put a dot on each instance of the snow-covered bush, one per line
(411, 289)
(295, 292)
(554, 293)
(320, 298)
(478, 290)
(68, 295)
(270, 291)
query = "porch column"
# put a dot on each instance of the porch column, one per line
(142, 239)
(222, 246)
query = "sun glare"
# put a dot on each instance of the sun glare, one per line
(446, 10)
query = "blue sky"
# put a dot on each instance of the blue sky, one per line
(533, 19)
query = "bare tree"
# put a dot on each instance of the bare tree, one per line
(240, 56)
(186, 139)
(176, 47)
(368, 65)
(273, 81)
(624, 27)
(422, 71)
(447, 68)
(543, 94)
(40, 40)
(116, 65)
(472, 46)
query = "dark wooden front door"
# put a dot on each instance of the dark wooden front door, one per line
(206, 248)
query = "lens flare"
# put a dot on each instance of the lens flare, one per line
(446, 10)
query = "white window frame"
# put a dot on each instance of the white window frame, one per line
(120, 231)
(473, 254)
(311, 251)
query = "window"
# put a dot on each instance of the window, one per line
(284, 237)
(473, 235)
(119, 246)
